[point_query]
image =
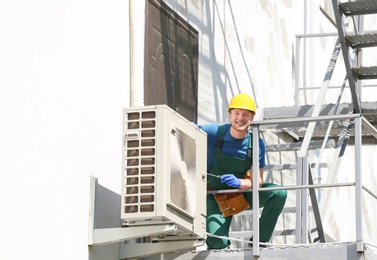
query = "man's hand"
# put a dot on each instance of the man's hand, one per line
(231, 180)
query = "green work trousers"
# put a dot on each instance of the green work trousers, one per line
(272, 202)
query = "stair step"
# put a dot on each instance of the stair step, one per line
(365, 72)
(296, 146)
(361, 41)
(358, 7)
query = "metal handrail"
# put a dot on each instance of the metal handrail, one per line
(255, 189)
(357, 184)
(305, 119)
(290, 187)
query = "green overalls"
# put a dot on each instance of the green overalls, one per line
(271, 201)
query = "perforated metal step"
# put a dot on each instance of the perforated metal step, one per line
(361, 41)
(358, 7)
(365, 72)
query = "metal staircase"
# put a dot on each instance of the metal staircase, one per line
(353, 42)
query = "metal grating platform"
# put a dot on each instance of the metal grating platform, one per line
(341, 251)
(369, 112)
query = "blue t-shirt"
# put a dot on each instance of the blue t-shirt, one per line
(231, 145)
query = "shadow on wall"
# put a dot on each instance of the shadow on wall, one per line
(106, 215)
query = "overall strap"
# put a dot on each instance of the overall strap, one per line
(250, 147)
(220, 138)
(225, 163)
(219, 143)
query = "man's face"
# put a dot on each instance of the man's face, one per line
(241, 119)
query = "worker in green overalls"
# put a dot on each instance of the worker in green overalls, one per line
(229, 158)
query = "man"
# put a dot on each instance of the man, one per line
(229, 158)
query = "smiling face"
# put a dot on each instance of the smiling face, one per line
(240, 120)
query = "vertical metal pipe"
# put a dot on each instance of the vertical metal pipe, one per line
(137, 46)
(255, 129)
(297, 71)
(298, 200)
(304, 201)
(358, 184)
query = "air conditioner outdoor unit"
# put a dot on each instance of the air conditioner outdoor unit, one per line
(164, 170)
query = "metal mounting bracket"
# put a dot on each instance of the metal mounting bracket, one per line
(102, 236)
(134, 250)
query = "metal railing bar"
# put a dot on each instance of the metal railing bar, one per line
(369, 127)
(336, 87)
(313, 35)
(305, 119)
(370, 192)
(290, 187)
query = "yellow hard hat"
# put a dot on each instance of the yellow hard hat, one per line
(242, 101)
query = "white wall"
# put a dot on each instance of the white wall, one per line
(249, 53)
(64, 79)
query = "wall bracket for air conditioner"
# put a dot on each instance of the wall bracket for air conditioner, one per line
(102, 236)
(147, 249)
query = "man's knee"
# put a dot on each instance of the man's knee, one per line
(278, 198)
(216, 243)
(282, 195)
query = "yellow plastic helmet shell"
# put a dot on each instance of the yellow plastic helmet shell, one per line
(242, 101)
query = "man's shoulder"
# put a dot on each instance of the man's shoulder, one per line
(213, 128)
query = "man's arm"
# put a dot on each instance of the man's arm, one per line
(248, 182)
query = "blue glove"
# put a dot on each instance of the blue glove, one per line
(231, 180)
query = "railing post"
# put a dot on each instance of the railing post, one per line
(298, 200)
(297, 71)
(304, 201)
(255, 129)
(358, 184)
(302, 205)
